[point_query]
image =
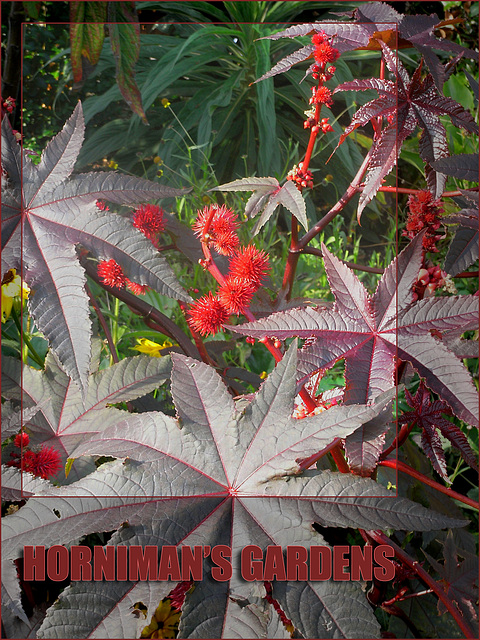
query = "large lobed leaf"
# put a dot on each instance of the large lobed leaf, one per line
(410, 103)
(47, 214)
(370, 331)
(267, 195)
(66, 419)
(225, 477)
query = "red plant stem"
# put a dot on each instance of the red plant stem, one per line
(339, 458)
(335, 448)
(401, 466)
(467, 274)
(347, 196)
(103, 322)
(292, 261)
(291, 265)
(381, 538)
(445, 194)
(307, 462)
(359, 267)
(402, 436)
(313, 134)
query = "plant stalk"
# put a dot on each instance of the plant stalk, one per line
(401, 466)
(381, 538)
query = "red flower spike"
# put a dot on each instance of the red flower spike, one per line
(249, 264)
(27, 461)
(236, 294)
(149, 219)
(21, 440)
(111, 274)
(323, 95)
(137, 289)
(325, 53)
(220, 231)
(206, 315)
(424, 212)
(319, 37)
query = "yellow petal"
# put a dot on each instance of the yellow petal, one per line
(7, 304)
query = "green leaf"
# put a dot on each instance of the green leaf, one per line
(86, 40)
(125, 43)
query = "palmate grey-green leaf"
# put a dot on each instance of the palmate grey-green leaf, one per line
(329, 609)
(67, 419)
(343, 500)
(102, 610)
(291, 198)
(58, 213)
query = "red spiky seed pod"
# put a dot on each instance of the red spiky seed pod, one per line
(111, 274)
(218, 226)
(235, 294)
(206, 315)
(149, 219)
(21, 440)
(137, 289)
(250, 264)
(46, 463)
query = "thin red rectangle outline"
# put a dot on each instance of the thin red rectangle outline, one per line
(156, 497)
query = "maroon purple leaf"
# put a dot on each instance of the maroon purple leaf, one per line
(463, 166)
(459, 580)
(267, 195)
(369, 331)
(429, 416)
(226, 477)
(62, 418)
(46, 215)
(406, 103)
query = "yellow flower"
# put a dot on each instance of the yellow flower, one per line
(12, 287)
(158, 160)
(152, 348)
(164, 622)
(165, 102)
(263, 375)
(113, 165)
